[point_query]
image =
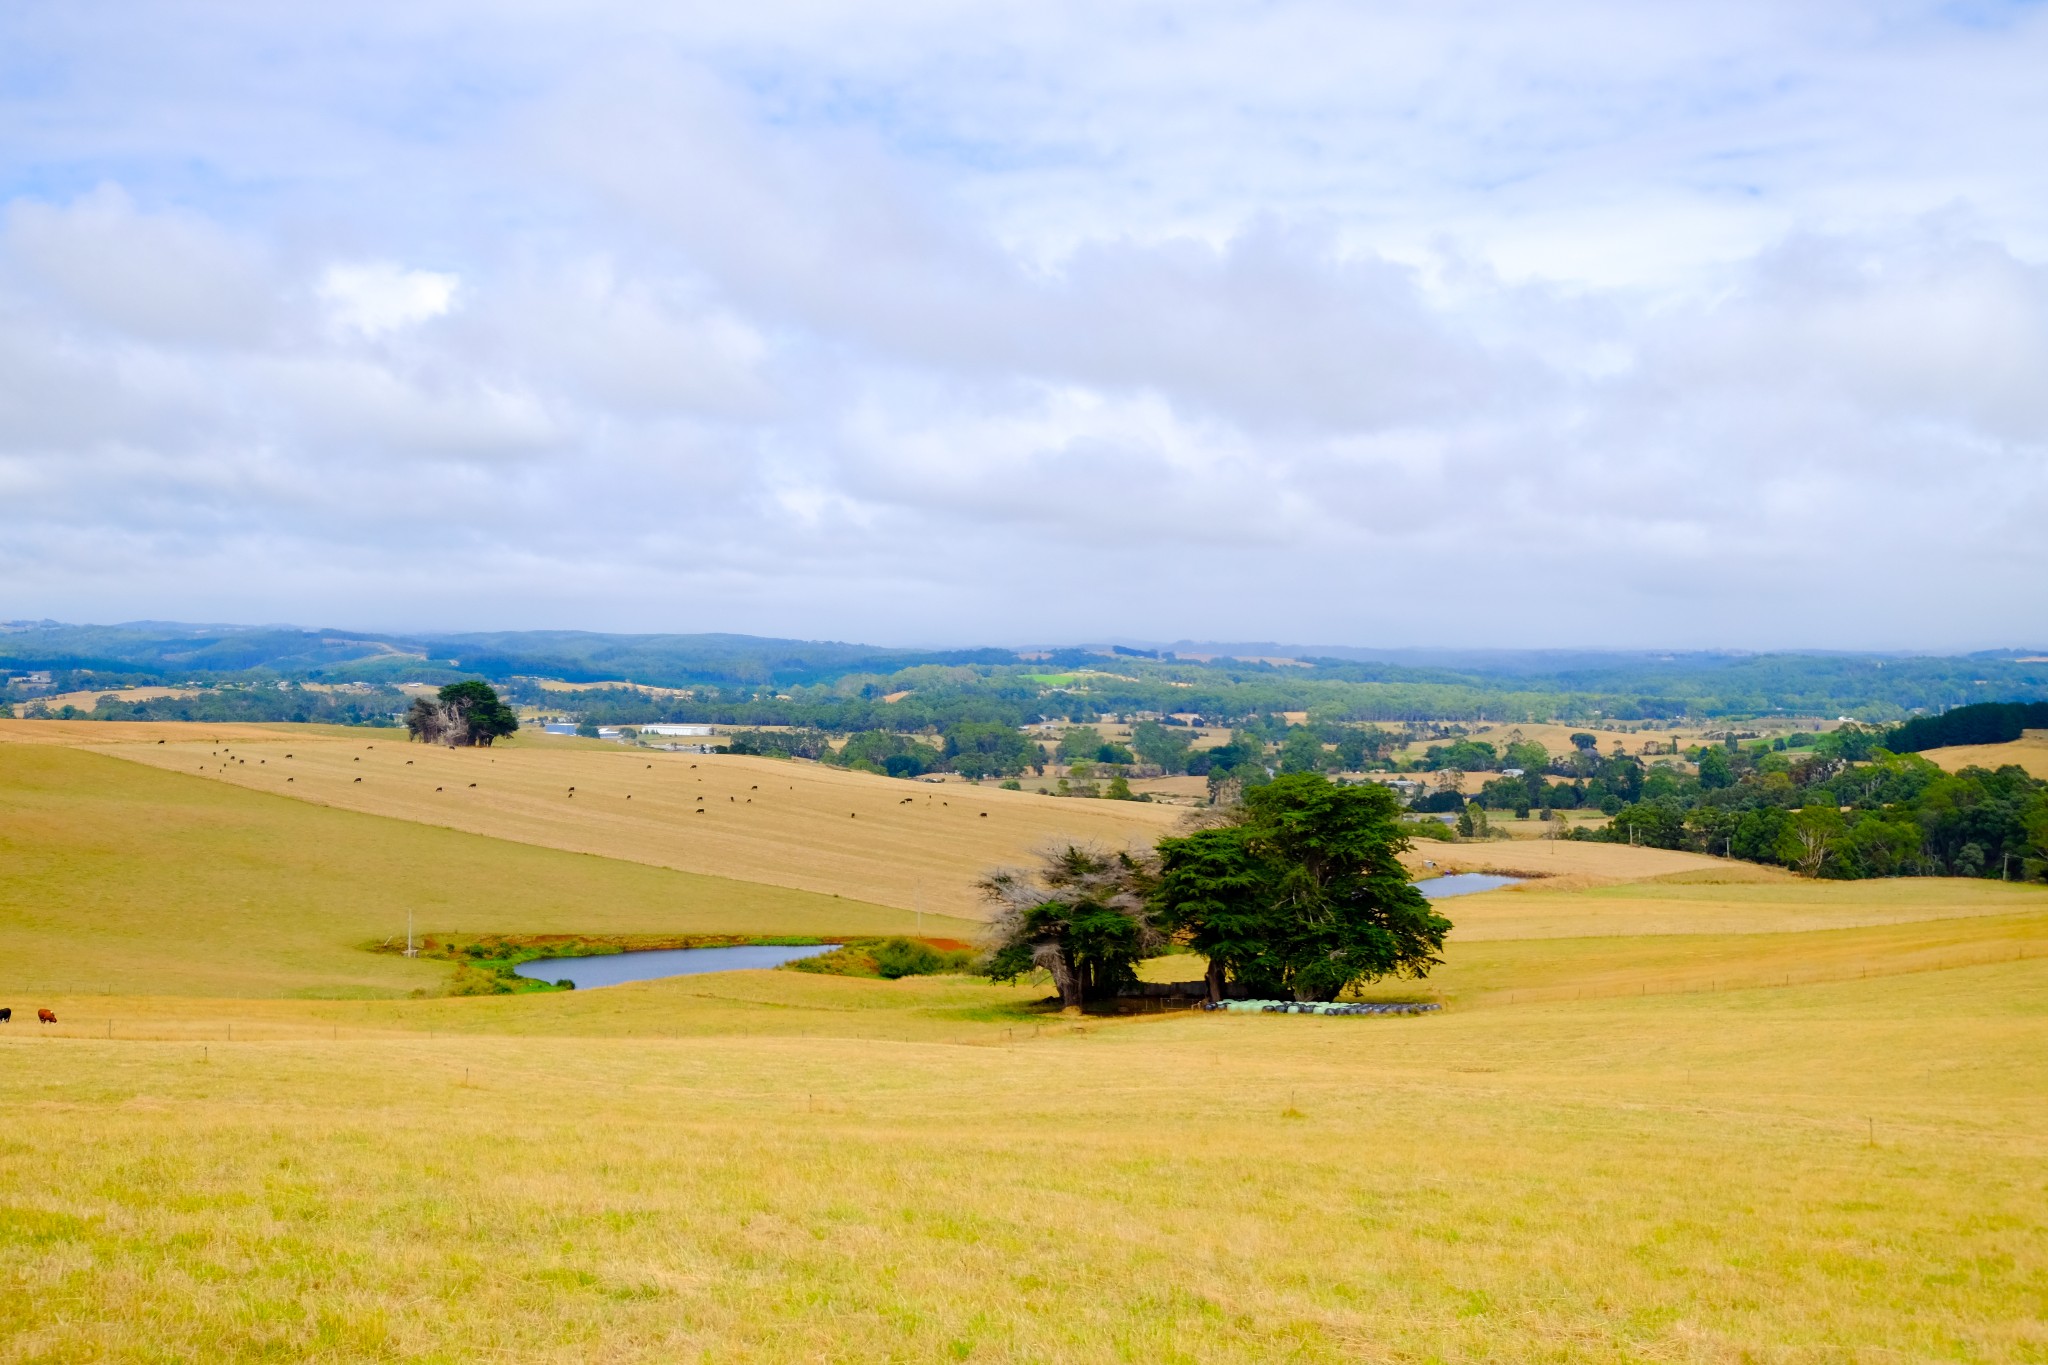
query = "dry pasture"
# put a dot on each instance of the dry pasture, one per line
(1736, 1116)
(2029, 751)
(116, 877)
(782, 823)
(1733, 899)
(1846, 1171)
(1579, 864)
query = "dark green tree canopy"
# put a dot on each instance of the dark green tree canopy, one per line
(880, 751)
(1301, 893)
(988, 749)
(1081, 744)
(1984, 723)
(1156, 743)
(466, 713)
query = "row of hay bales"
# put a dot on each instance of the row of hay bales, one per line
(1313, 1007)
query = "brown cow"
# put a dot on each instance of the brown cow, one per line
(46, 1017)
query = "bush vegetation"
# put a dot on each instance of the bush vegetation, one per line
(1890, 816)
(887, 958)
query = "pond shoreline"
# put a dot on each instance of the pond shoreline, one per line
(591, 971)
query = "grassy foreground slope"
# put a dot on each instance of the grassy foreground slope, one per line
(798, 825)
(115, 877)
(1846, 1172)
(1680, 1111)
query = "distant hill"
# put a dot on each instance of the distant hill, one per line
(1352, 682)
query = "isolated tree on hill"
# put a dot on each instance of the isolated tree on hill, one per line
(1299, 893)
(1083, 915)
(466, 713)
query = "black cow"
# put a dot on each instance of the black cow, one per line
(6, 1016)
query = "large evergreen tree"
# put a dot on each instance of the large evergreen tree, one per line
(1300, 894)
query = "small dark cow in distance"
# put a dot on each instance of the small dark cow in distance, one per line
(6, 1016)
(46, 1017)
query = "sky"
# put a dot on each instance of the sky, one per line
(1717, 325)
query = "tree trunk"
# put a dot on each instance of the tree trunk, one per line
(1215, 977)
(1063, 977)
(1073, 990)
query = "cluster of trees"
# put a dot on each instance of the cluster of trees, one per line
(1296, 894)
(463, 714)
(1893, 815)
(249, 704)
(1085, 744)
(805, 743)
(1259, 749)
(894, 755)
(971, 748)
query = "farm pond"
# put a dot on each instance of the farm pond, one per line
(1465, 884)
(612, 969)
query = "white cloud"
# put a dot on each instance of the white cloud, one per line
(377, 297)
(1398, 323)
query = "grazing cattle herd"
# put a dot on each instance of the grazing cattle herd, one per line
(42, 1016)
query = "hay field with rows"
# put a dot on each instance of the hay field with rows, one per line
(1685, 1111)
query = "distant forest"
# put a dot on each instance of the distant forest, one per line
(846, 688)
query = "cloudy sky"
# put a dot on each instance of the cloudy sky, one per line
(1719, 324)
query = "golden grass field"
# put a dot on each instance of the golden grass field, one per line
(1673, 1111)
(798, 825)
(122, 878)
(2029, 751)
